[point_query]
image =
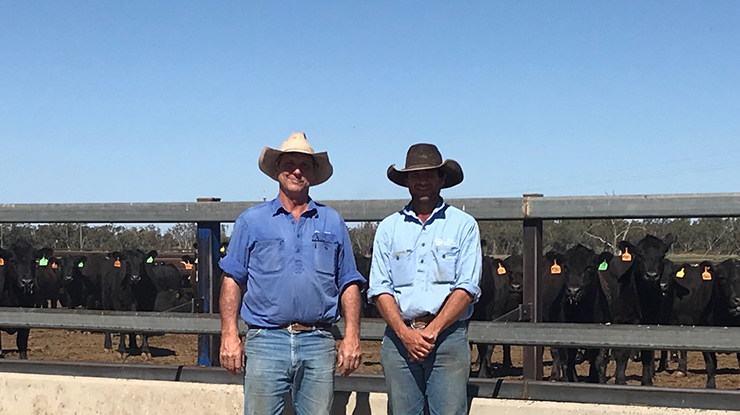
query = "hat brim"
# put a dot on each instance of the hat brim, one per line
(452, 170)
(269, 157)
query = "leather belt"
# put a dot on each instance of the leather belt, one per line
(296, 327)
(419, 323)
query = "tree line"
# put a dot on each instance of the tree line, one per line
(704, 236)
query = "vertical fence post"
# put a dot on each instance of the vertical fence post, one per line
(532, 308)
(209, 284)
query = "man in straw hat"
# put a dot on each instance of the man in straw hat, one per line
(424, 279)
(295, 258)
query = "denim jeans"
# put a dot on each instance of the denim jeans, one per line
(442, 377)
(278, 362)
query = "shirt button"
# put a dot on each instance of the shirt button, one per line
(423, 244)
(298, 249)
(298, 235)
(422, 261)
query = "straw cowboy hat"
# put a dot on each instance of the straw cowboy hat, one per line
(426, 157)
(296, 143)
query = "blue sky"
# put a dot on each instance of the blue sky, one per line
(173, 100)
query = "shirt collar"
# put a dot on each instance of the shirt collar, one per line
(276, 206)
(437, 213)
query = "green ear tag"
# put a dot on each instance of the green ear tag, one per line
(43, 262)
(603, 266)
(80, 265)
(150, 260)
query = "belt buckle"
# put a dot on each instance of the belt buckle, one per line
(418, 325)
(295, 330)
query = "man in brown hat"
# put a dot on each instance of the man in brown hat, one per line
(424, 279)
(294, 256)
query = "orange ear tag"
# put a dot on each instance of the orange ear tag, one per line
(2, 262)
(706, 275)
(117, 263)
(54, 265)
(555, 268)
(501, 270)
(626, 256)
(188, 266)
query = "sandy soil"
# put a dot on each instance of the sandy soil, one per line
(62, 345)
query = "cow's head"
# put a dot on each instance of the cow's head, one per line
(728, 286)
(23, 265)
(580, 277)
(651, 252)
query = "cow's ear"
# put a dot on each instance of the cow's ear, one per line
(669, 240)
(483, 242)
(187, 259)
(605, 257)
(627, 246)
(151, 254)
(114, 254)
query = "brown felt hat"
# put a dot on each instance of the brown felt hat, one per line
(296, 143)
(426, 157)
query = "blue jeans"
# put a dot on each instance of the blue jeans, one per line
(442, 377)
(278, 362)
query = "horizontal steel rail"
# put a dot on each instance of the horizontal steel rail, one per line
(368, 383)
(591, 207)
(523, 334)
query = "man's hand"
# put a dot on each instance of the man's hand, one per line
(232, 353)
(415, 343)
(349, 356)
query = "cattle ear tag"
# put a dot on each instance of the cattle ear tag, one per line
(222, 250)
(80, 265)
(188, 265)
(2, 262)
(501, 270)
(555, 268)
(150, 260)
(603, 266)
(706, 275)
(626, 256)
(117, 263)
(54, 265)
(681, 273)
(43, 261)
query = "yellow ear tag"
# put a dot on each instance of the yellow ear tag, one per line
(501, 270)
(54, 265)
(555, 268)
(117, 263)
(681, 273)
(188, 266)
(223, 249)
(2, 262)
(626, 256)
(706, 275)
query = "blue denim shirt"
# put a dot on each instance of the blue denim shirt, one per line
(420, 264)
(294, 272)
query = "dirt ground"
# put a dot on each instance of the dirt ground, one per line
(63, 345)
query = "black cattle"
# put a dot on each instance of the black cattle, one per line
(19, 263)
(47, 279)
(650, 253)
(179, 300)
(507, 296)
(581, 301)
(687, 298)
(725, 299)
(119, 272)
(363, 267)
(481, 311)
(617, 279)
(553, 288)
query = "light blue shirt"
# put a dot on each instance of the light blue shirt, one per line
(294, 270)
(420, 264)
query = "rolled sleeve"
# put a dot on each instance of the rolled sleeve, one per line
(471, 260)
(235, 263)
(380, 276)
(347, 273)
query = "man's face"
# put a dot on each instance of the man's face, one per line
(295, 171)
(424, 185)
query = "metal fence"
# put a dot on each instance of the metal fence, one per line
(530, 210)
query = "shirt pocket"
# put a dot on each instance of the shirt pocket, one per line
(325, 257)
(267, 256)
(402, 268)
(446, 259)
